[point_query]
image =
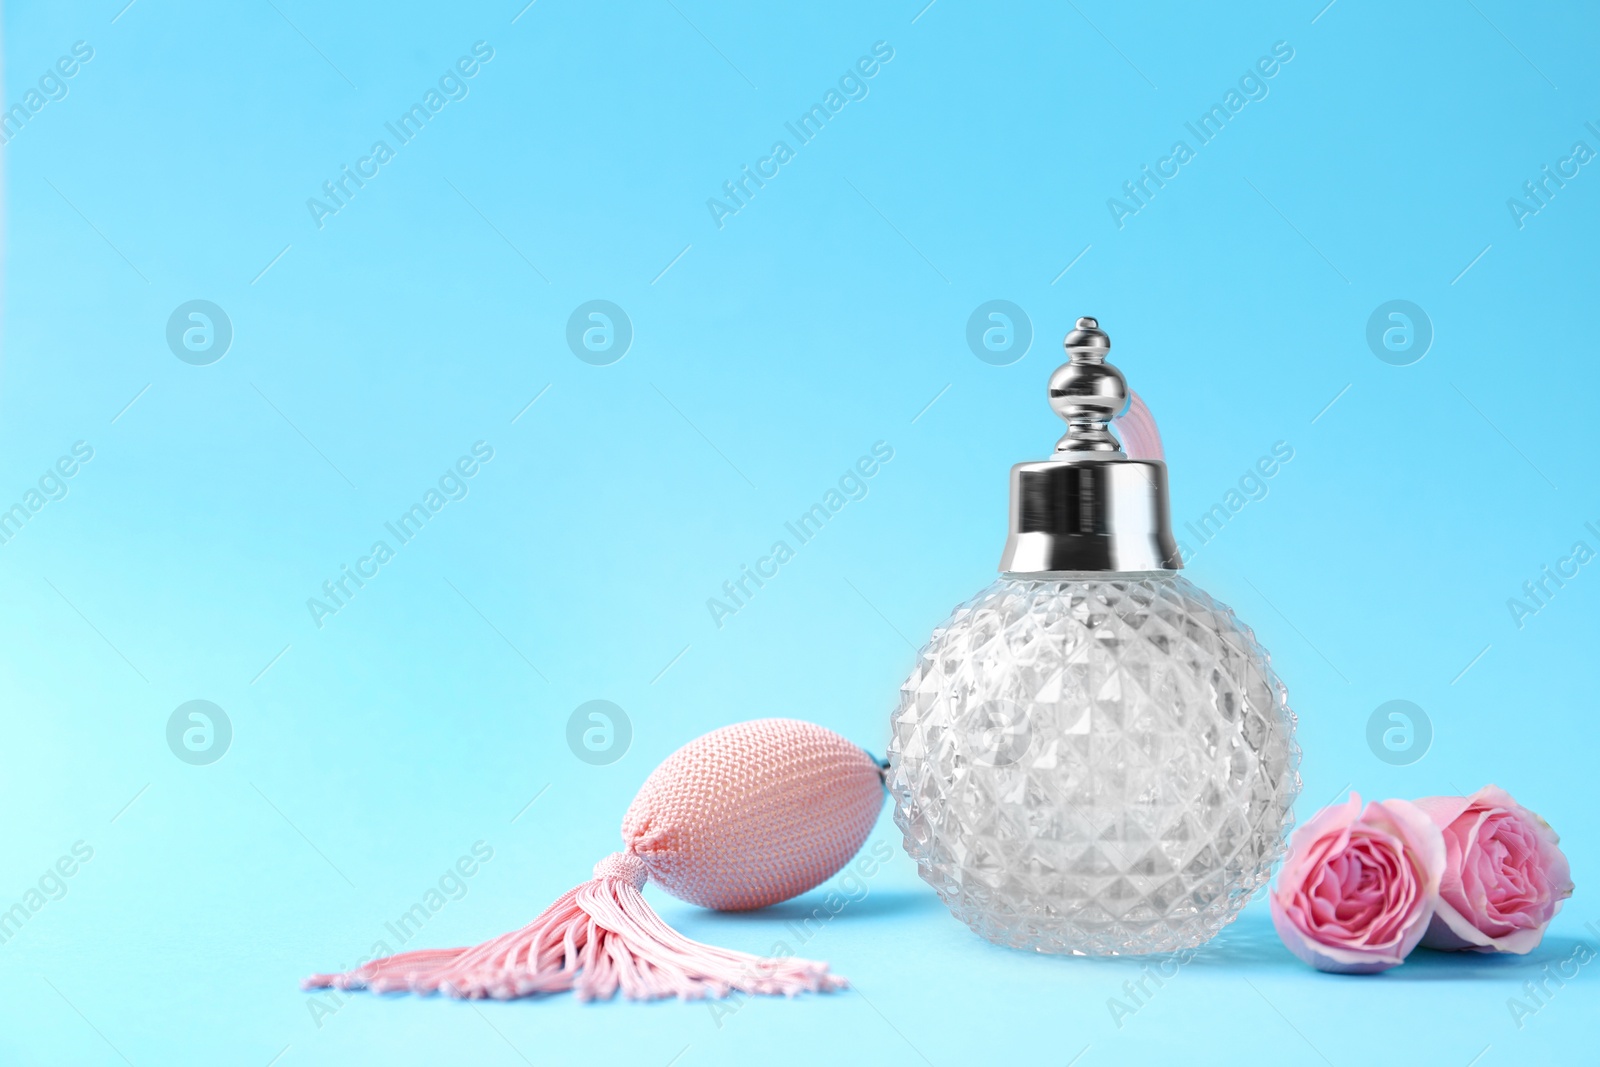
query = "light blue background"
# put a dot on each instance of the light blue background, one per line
(767, 357)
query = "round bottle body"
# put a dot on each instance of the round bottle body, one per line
(1096, 764)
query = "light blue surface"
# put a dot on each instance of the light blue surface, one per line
(827, 314)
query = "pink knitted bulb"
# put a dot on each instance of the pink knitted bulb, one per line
(754, 813)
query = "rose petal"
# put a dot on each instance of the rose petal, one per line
(1505, 875)
(1356, 892)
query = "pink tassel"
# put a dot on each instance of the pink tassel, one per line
(598, 938)
(740, 818)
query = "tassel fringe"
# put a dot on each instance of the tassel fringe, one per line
(597, 939)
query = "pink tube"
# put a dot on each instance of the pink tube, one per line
(1137, 428)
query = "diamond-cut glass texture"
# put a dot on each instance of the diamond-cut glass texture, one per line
(1095, 766)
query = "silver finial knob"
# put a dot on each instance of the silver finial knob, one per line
(1088, 507)
(1087, 392)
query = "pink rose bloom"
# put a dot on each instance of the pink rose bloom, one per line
(1358, 888)
(1504, 874)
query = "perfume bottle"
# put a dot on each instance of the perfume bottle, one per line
(1092, 756)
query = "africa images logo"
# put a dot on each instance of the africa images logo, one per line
(452, 85)
(1252, 86)
(337, 593)
(852, 485)
(852, 86)
(51, 86)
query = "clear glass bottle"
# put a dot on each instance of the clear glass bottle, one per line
(1092, 756)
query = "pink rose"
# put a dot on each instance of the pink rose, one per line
(1504, 874)
(1358, 888)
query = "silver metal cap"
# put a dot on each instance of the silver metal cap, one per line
(1089, 507)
